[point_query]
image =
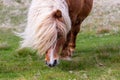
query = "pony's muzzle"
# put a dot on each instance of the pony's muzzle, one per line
(51, 57)
(55, 62)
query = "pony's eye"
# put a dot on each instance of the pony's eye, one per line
(59, 35)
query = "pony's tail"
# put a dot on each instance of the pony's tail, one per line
(46, 33)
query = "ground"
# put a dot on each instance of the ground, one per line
(97, 55)
(96, 58)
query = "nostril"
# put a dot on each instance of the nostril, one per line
(55, 62)
(50, 65)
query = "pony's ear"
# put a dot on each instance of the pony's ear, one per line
(57, 14)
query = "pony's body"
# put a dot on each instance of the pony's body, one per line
(78, 11)
(54, 24)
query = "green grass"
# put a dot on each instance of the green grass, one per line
(97, 57)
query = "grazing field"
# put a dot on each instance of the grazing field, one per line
(97, 55)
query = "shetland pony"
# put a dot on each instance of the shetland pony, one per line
(52, 27)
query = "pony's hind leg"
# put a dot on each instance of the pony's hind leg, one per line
(70, 44)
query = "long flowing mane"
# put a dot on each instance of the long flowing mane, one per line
(42, 27)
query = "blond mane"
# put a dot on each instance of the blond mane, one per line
(41, 31)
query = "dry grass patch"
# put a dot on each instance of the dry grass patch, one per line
(103, 30)
(104, 13)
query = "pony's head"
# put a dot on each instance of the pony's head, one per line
(58, 39)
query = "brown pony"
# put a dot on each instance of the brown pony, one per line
(53, 25)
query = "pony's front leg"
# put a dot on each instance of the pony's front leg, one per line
(70, 44)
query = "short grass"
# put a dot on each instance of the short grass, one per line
(97, 57)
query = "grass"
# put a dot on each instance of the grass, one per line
(97, 57)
